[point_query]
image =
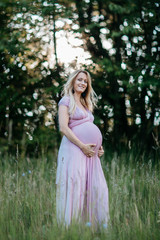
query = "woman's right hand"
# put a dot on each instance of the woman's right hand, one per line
(87, 149)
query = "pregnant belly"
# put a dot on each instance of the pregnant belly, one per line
(88, 132)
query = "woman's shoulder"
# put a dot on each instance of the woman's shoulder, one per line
(64, 100)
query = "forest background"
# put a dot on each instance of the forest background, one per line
(121, 45)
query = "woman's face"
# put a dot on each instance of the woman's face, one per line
(80, 83)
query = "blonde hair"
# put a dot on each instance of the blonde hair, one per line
(89, 100)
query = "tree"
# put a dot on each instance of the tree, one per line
(24, 80)
(126, 73)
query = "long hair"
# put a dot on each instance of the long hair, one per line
(88, 97)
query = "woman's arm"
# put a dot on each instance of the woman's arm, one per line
(64, 129)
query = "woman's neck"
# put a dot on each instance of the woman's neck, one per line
(77, 97)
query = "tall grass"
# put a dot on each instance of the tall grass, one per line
(27, 200)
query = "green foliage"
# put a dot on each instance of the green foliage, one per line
(23, 89)
(120, 9)
(126, 74)
(129, 70)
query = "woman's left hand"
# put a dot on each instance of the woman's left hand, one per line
(100, 151)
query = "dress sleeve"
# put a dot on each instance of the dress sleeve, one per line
(64, 101)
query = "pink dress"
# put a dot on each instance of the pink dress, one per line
(82, 192)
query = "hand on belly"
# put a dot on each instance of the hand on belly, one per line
(89, 133)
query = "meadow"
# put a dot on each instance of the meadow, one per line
(27, 200)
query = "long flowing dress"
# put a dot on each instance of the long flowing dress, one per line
(81, 188)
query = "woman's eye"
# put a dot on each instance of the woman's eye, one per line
(79, 79)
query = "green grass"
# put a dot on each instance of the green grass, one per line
(27, 200)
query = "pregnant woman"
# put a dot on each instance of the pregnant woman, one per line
(82, 192)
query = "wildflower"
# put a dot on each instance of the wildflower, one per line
(23, 174)
(29, 171)
(104, 225)
(88, 224)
